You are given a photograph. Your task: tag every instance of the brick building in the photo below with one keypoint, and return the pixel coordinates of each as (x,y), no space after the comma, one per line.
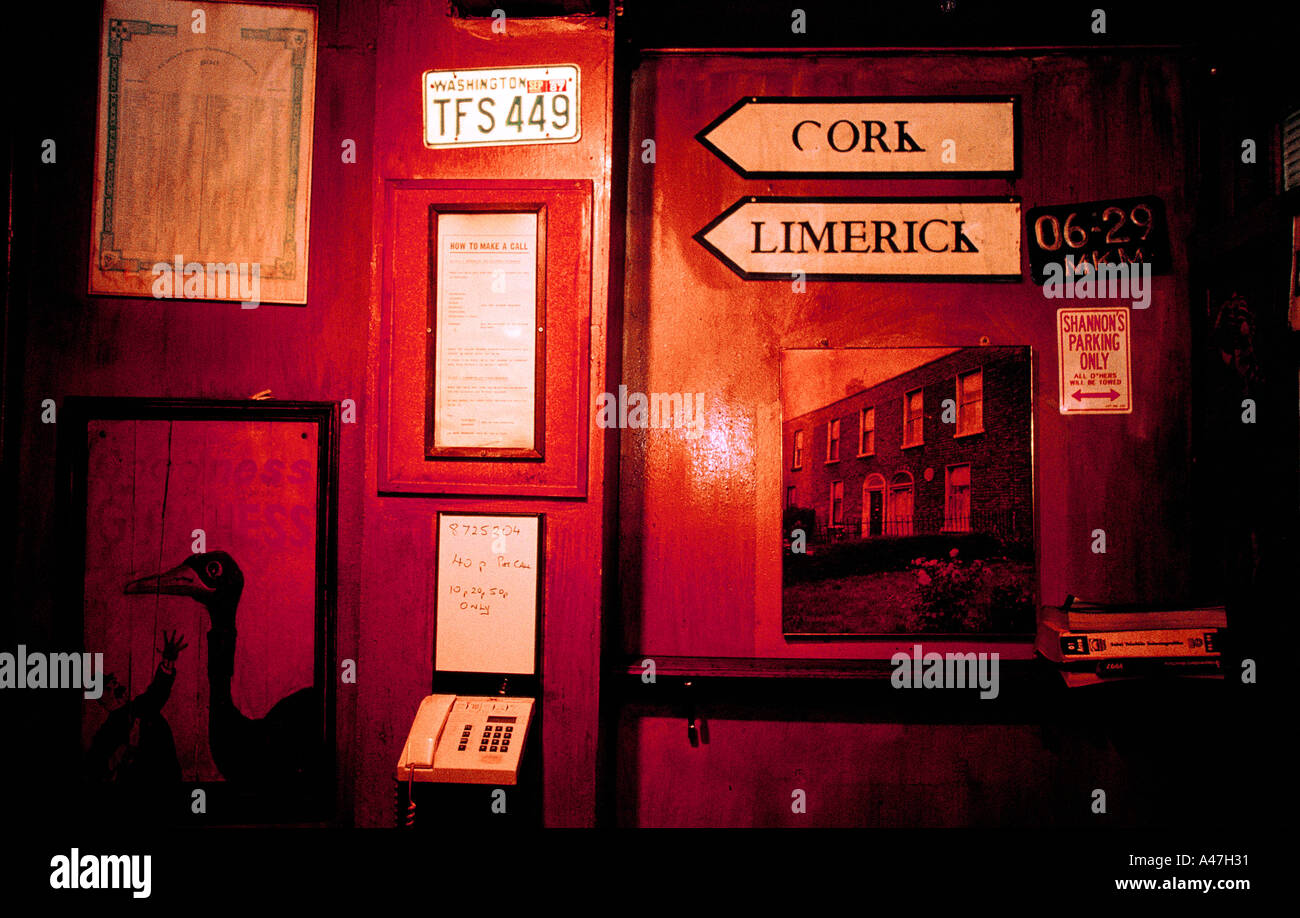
(887,462)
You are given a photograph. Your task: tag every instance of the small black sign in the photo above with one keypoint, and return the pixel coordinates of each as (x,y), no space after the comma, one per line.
(1119,231)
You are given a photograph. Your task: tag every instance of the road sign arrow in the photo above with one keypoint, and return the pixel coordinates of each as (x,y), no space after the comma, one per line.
(811,136)
(1080,395)
(774,238)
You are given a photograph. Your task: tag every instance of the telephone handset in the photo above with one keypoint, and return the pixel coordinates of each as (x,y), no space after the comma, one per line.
(466,739)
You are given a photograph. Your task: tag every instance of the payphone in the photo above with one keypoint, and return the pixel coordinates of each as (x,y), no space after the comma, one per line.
(487,638)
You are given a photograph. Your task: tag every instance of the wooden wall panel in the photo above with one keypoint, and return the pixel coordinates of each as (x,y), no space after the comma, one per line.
(699,520)
(114,346)
(397,593)
(859,775)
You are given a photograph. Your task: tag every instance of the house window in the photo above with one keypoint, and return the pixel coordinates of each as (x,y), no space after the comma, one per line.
(832,441)
(956,517)
(789,496)
(970,403)
(912,417)
(797,464)
(898,521)
(867,435)
(837,504)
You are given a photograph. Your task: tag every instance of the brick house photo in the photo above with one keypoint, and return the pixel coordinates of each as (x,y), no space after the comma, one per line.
(932,464)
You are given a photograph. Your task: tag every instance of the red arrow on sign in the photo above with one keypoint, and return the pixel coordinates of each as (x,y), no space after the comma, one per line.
(1080,395)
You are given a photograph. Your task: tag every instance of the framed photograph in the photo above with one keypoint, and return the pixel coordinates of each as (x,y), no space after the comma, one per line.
(907,490)
(203,151)
(487,350)
(203,535)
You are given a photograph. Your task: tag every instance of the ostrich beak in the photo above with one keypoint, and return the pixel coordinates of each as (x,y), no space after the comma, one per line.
(179,581)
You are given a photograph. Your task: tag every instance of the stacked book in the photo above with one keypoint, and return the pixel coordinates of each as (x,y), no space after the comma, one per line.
(1094,643)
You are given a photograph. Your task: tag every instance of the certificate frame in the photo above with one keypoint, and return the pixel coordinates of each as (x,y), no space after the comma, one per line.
(537,452)
(137,252)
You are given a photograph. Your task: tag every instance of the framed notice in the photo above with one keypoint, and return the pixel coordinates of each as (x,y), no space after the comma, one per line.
(487,341)
(485,337)
(203,151)
(487,617)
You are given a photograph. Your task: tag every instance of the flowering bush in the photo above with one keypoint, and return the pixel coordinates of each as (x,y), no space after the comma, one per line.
(946,589)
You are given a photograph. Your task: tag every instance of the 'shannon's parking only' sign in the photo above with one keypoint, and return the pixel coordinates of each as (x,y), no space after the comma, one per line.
(498,107)
(1093,353)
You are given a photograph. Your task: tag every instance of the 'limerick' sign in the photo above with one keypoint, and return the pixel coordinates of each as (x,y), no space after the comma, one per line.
(811,137)
(772,238)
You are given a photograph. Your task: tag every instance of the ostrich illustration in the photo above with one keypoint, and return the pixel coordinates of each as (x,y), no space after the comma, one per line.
(281,747)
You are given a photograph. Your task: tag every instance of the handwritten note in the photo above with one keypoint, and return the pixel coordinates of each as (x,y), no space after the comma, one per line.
(487,593)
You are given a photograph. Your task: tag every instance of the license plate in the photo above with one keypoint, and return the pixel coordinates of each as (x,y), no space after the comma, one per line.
(1119,231)
(501,106)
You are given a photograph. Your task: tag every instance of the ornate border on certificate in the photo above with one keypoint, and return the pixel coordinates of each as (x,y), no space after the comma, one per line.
(203,153)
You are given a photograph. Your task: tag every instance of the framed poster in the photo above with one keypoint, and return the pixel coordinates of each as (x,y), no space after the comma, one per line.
(485,337)
(204,536)
(487,348)
(203,151)
(907,488)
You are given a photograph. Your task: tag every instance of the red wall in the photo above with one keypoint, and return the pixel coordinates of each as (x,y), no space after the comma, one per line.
(74,344)
(370,60)
(698,569)
(699,521)
(395,662)
(1092,127)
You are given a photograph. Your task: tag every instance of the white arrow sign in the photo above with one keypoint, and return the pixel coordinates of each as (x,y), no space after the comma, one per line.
(808,137)
(766,238)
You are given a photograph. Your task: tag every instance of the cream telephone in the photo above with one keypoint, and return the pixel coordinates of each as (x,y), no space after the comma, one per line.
(466,739)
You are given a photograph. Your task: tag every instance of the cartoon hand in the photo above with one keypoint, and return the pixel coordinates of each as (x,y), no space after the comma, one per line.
(173,644)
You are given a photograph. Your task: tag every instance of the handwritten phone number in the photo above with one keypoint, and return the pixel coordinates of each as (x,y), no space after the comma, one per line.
(474,529)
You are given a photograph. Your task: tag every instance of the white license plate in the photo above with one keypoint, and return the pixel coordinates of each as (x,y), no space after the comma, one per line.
(501,106)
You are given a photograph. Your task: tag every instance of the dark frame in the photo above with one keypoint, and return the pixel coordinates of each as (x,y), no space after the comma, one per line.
(964,639)
(226,805)
(538,451)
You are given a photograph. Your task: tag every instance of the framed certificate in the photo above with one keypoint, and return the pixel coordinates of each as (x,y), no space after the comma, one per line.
(203,151)
(486,349)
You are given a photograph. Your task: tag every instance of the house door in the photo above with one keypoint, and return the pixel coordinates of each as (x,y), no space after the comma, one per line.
(875,513)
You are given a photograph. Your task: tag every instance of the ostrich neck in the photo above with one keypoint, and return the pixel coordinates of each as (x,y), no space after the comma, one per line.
(221,649)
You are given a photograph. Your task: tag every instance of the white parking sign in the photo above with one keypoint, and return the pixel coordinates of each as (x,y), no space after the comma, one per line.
(1092,351)
(501,106)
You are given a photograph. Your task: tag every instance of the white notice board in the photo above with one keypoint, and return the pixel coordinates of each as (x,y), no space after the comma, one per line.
(487,614)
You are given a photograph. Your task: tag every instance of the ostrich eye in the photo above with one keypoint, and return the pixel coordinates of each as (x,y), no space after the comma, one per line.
(213,569)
